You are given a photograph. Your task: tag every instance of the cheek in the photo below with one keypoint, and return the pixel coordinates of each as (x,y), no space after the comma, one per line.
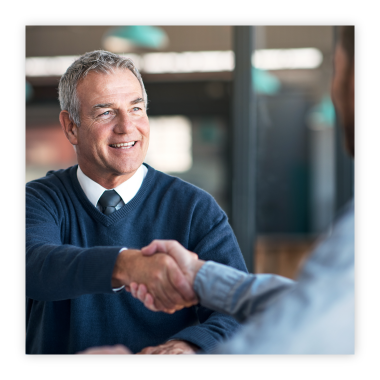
(145,128)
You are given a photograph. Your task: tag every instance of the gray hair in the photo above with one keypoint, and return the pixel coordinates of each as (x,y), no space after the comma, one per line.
(100,61)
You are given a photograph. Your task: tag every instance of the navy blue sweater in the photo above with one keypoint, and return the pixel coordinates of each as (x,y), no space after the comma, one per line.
(71,249)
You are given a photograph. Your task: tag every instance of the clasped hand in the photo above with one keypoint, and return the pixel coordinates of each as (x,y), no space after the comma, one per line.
(185,261)
(161,276)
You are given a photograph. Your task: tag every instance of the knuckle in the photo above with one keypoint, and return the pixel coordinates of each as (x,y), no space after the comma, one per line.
(179,282)
(157,276)
(167,260)
(156,273)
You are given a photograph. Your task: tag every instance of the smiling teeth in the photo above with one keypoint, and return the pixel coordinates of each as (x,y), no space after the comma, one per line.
(124,144)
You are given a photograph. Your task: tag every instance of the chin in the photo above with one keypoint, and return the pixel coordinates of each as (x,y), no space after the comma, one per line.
(128,170)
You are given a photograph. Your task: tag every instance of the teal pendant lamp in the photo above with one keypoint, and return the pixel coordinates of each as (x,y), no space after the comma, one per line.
(264,82)
(28,91)
(323,113)
(132,37)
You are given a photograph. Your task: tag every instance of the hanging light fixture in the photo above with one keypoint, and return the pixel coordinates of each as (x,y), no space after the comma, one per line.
(264,82)
(28,91)
(128,38)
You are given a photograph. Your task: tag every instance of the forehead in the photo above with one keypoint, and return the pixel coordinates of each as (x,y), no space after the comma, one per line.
(99,85)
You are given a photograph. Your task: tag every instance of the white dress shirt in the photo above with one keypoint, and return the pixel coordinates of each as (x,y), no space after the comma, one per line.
(127,190)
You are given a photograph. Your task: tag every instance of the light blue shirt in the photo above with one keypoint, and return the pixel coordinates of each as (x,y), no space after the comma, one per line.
(314,315)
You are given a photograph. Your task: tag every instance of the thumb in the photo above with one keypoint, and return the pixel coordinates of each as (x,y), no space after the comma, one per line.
(162,246)
(149,249)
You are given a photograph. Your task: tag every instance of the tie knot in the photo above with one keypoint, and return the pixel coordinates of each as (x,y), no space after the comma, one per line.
(109,200)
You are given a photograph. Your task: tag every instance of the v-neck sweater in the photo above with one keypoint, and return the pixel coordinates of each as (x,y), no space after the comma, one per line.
(71,250)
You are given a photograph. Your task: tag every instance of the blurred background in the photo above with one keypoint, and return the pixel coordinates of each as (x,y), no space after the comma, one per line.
(244,112)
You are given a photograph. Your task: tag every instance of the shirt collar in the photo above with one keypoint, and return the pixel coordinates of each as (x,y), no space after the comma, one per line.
(127,190)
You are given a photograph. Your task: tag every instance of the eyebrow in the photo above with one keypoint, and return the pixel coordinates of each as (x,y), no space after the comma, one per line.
(137,100)
(107,105)
(102,105)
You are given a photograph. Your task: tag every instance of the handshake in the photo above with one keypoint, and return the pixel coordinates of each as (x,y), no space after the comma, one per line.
(161,275)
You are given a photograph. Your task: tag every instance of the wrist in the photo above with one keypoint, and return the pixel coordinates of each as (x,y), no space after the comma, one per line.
(195,267)
(121,275)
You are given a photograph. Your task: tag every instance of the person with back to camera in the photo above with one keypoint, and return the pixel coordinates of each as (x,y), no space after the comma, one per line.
(314,315)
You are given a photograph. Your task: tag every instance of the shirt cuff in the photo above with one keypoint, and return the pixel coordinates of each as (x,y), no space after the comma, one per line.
(215,284)
(117,290)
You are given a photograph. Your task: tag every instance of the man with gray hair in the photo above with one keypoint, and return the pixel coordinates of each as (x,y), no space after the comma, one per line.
(85,225)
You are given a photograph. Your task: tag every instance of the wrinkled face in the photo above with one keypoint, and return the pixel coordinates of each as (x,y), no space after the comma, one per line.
(343,96)
(113,137)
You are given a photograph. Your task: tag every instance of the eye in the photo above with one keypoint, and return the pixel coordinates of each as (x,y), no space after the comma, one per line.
(105,114)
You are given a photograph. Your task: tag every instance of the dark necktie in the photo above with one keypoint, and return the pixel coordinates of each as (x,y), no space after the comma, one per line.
(108,201)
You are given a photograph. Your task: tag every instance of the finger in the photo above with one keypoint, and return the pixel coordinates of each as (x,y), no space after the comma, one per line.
(149,249)
(186,295)
(141,292)
(149,302)
(161,287)
(133,288)
(194,255)
(146,351)
(167,293)
(158,305)
(119,349)
(106,350)
(177,251)
(164,295)
(170,351)
(156,246)
(165,350)
(178,281)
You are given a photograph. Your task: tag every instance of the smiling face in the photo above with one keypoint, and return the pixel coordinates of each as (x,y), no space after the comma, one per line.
(113,138)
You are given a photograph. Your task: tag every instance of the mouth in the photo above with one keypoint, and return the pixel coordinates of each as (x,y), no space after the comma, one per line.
(127,145)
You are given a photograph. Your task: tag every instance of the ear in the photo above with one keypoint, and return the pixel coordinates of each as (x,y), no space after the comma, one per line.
(69,128)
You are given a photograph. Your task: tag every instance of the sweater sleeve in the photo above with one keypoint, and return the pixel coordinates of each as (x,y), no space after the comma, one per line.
(212,238)
(56,271)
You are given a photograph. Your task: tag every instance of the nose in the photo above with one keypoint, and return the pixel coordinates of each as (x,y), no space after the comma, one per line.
(124,124)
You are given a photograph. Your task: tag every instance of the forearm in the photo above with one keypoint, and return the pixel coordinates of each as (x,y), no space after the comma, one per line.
(214,327)
(57,272)
(236,293)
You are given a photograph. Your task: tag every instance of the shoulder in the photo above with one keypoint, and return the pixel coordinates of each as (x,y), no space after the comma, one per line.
(334,256)
(52,185)
(179,190)
(345,222)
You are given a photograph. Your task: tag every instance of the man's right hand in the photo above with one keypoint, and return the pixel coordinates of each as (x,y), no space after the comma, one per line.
(160,274)
(187,261)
